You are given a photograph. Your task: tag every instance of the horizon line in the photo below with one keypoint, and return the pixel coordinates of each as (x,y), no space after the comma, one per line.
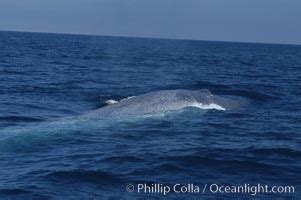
(146,37)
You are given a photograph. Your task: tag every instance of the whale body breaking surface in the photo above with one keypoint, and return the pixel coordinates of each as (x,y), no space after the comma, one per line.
(149,104)
(164,101)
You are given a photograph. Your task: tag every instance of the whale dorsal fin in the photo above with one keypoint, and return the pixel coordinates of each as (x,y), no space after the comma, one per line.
(206,91)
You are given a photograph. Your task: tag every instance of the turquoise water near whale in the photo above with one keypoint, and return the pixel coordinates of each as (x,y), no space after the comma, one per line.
(49,151)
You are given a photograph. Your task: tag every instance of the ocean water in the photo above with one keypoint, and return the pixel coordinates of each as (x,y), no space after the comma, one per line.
(49,151)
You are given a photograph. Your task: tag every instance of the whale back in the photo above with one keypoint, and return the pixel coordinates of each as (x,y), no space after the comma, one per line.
(163,101)
(205,91)
(152,102)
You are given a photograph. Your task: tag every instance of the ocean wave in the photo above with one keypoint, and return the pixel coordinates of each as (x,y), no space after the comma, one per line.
(98,177)
(223,164)
(121,159)
(286,152)
(19,193)
(14,191)
(168,167)
(229,89)
(252,95)
(212,86)
(19,119)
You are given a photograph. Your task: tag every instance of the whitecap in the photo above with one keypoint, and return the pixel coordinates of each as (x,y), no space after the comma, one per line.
(208,106)
(111,101)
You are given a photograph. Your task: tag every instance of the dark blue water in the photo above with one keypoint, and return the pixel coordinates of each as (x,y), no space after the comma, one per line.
(45,78)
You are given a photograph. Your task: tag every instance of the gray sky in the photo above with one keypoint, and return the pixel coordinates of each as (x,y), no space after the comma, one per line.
(269,21)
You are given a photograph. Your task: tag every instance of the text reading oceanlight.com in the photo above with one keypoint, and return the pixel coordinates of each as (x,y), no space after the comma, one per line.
(158,188)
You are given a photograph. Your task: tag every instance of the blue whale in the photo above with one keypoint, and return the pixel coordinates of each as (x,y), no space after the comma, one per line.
(149,104)
(165,101)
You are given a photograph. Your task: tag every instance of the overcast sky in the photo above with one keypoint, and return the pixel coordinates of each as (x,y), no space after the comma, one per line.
(269,21)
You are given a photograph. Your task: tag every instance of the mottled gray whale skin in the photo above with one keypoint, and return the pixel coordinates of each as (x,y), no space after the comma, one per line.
(164,101)
(150,104)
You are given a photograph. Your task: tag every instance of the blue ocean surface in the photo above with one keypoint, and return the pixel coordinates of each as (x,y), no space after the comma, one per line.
(48,150)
